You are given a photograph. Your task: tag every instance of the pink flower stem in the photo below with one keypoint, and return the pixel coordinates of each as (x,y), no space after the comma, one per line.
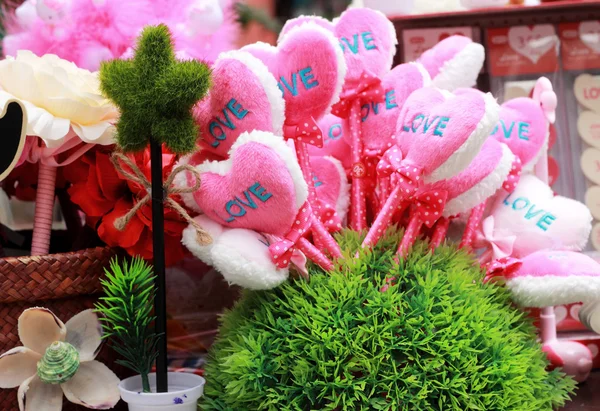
(472,226)
(320,233)
(439,232)
(314,254)
(358,212)
(383,219)
(44,210)
(410,235)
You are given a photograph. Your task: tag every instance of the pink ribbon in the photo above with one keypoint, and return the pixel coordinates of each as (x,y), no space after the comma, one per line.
(430,205)
(514,176)
(307,132)
(282,251)
(407,176)
(328,215)
(501,247)
(367,88)
(503,268)
(37,152)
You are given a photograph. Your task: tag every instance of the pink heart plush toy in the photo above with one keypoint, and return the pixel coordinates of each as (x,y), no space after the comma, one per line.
(524,123)
(532,218)
(439,134)
(486,174)
(333,191)
(334,130)
(244,96)
(260,188)
(454,62)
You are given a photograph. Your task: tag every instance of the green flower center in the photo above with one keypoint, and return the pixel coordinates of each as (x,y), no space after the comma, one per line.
(59,364)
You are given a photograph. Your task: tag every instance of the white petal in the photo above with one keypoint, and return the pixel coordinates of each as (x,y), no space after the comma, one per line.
(93,386)
(34,395)
(39,327)
(84,332)
(101,133)
(17,365)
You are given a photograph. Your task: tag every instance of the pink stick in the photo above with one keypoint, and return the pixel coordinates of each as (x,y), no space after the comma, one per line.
(382,221)
(384,190)
(319,231)
(411,233)
(358,212)
(439,232)
(472,226)
(314,254)
(44,208)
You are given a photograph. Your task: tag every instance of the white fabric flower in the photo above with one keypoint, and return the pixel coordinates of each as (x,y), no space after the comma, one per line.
(62,100)
(93,385)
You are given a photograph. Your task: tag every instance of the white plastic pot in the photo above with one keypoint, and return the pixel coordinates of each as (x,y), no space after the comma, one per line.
(184,391)
(391,7)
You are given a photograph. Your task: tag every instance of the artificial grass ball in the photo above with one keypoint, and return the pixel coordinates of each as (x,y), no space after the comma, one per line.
(436,339)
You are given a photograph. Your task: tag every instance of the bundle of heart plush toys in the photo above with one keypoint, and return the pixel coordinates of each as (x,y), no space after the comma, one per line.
(302,138)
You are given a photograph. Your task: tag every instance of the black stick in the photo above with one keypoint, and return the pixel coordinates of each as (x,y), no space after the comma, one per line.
(158,242)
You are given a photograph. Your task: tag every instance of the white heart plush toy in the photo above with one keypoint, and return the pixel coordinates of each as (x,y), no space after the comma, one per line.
(533,219)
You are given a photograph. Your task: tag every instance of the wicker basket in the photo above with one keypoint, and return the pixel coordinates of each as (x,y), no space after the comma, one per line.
(64,283)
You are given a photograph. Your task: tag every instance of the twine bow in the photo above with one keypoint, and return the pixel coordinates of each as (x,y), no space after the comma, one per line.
(307,132)
(136,175)
(366,89)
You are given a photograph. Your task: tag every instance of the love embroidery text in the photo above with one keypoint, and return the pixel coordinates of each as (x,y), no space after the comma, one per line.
(353,45)
(390,103)
(238,207)
(215,127)
(521,128)
(316,180)
(543,219)
(335,132)
(424,122)
(307,78)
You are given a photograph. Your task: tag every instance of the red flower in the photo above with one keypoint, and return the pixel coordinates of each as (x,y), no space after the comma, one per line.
(105,195)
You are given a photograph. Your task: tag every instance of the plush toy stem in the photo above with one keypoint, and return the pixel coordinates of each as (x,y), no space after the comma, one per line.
(314,254)
(472,225)
(358,212)
(410,234)
(439,232)
(384,190)
(320,233)
(384,217)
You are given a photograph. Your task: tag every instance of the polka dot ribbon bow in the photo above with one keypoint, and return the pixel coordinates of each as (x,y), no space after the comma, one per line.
(329,217)
(408,176)
(514,176)
(282,251)
(366,89)
(430,205)
(307,132)
(504,268)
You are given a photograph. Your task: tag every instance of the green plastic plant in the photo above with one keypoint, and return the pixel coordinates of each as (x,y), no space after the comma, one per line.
(437,339)
(126,315)
(155,94)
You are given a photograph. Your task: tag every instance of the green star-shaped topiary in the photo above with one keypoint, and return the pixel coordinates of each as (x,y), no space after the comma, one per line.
(155,94)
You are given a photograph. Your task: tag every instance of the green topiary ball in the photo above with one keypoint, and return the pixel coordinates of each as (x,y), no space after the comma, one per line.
(437,339)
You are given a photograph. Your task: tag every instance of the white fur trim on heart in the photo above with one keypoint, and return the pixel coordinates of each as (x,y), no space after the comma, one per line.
(285,30)
(549,290)
(453,74)
(424,73)
(268,82)
(343,201)
(484,189)
(461,158)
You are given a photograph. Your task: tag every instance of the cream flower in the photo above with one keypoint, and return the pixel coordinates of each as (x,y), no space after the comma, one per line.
(59,97)
(56,358)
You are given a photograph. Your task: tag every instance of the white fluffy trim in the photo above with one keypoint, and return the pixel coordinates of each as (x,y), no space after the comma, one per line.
(485,189)
(461,158)
(462,70)
(549,290)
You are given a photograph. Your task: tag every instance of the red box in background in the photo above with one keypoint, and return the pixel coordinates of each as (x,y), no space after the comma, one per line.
(522,50)
(580,45)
